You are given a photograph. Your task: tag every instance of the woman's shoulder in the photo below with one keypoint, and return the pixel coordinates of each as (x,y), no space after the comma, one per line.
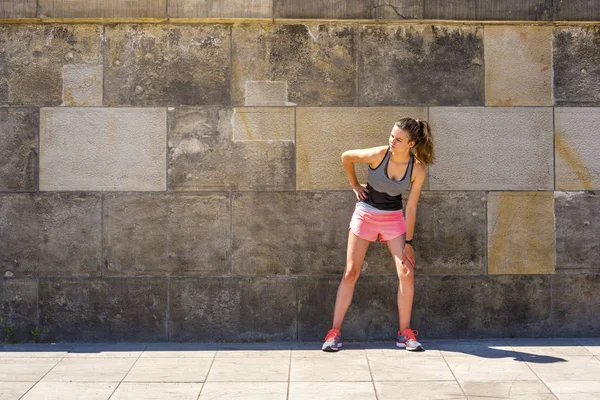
(418,167)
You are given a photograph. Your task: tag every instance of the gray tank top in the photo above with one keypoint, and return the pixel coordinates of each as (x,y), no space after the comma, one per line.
(385,193)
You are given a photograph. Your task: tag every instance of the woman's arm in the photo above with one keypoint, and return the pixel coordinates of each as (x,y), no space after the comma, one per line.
(372,156)
(410,211)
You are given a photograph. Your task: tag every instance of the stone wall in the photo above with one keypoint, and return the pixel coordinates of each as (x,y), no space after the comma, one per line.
(180,179)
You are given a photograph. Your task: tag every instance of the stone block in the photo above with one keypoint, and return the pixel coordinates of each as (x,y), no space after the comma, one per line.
(373,314)
(492,148)
(18,309)
(18,149)
(354,9)
(266,93)
(414,65)
(103,9)
(290,232)
(82,85)
(262,123)
(488,306)
(50,234)
(220,9)
(518,65)
(576,65)
(203,153)
(507,10)
(575,304)
(85,148)
(576,10)
(450,233)
(167,65)
(324,133)
(233,309)
(575,148)
(577,232)
(37,53)
(90,310)
(316,60)
(166,234)
(18,9)
(520,233)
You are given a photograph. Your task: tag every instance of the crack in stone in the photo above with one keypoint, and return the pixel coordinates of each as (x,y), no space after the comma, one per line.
(386,5)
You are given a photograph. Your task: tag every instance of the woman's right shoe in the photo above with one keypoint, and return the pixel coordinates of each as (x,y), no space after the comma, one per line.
(333,340)
(407,339)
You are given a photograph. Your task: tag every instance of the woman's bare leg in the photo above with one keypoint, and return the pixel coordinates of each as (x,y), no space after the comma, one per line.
(406,284)
(357,248)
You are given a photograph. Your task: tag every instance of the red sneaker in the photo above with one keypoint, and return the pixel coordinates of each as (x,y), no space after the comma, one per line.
(333,340)
(407,339)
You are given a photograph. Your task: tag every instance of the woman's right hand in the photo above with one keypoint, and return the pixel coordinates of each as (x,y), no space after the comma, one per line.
(360,191)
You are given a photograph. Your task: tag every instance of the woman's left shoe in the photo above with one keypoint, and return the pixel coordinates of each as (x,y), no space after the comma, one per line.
(407,339)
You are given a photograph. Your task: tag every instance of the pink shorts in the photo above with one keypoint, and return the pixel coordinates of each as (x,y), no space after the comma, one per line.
(369,225)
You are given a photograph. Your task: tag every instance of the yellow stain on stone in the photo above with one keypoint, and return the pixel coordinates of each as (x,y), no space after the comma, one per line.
(570,156)
(521,236)
(244,120)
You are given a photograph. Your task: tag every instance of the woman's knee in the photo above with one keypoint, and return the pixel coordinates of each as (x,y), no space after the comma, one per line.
(351,273)
(405,272)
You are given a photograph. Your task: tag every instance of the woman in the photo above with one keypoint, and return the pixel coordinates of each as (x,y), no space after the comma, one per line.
(393,169)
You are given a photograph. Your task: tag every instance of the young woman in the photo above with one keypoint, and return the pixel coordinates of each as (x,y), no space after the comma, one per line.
(393,169)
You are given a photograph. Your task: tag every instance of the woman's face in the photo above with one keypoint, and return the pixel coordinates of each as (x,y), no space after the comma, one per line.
(399,140)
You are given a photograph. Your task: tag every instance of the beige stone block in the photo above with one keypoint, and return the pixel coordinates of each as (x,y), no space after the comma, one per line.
(221,9)
(518,65)
(102,8)
(324,133)
(492,148)
(576,148)
(521,233)
(266,93)
(18,8)
(103,148)
(82,85)
(263,124)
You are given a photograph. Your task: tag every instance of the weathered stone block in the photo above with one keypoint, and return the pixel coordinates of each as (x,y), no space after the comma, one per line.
(323,134)
(576,10)
(290,232)
(518,65)
(18,149)
(577,232)
(18,9)
(354,9)
(373,314)
(82,85)
(266,93)
(50,234)
(162,65)
(203,153)
(479,306)
(520,233)
(130,309)
(102,148)
(102,9)
(317,60)
(18,308)
(492,148)
(575,304)
(421,65)
(576,64)
(221,9)
(489,10)
(450,234)
(233,309)
(31,66)
(576,150)
(166,233)
(254,123)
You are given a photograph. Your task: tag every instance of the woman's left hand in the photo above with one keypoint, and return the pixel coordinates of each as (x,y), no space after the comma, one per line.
(408,256)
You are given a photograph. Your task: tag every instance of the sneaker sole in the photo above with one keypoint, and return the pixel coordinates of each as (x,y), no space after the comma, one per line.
(332,348)
(403,346)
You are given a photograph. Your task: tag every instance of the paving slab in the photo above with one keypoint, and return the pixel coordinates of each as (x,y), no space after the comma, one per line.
(169,370)
(157,391)
(244,390)
(70,391)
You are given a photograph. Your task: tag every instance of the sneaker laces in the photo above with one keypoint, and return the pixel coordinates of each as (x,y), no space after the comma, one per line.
(332,334)
(410,334)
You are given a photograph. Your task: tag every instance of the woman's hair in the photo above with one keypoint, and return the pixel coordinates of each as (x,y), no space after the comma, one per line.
(419,132)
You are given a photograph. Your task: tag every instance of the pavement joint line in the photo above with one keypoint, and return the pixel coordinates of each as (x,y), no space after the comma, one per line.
(287,394)
(38,381)
(452,372)
(371,374)
(128,371)
(207,373)
(536,375)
